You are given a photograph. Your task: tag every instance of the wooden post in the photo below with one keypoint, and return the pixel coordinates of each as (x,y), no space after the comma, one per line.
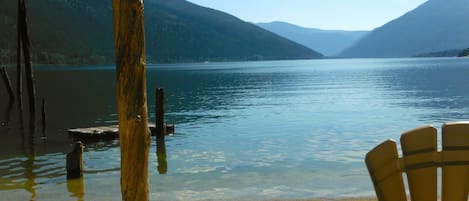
(160,131)
(27,60)
(75,161)
(135,141)
(44,119)
(19,72)
(159,116)
(6,80)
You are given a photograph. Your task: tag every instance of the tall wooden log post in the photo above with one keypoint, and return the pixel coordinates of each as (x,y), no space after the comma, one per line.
(129,42)
(27,60)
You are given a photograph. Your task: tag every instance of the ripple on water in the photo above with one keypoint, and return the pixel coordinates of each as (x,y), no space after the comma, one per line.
(246,130)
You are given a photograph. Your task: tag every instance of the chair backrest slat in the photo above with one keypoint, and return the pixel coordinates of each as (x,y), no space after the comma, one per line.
(419,148)
(384,167)
(420,161)
(455,178)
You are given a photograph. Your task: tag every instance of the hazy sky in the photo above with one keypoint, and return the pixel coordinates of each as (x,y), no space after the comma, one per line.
(324,14)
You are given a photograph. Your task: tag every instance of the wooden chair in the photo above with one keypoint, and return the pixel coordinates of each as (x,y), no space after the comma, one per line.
(420,160)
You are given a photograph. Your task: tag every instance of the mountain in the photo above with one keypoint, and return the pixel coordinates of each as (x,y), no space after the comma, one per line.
(328,42)
(436,25)
(80,31)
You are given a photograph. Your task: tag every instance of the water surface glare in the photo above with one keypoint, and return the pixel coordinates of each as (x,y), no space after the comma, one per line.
(244,130)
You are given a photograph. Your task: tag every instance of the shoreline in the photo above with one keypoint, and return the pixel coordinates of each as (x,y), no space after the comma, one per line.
(330,199)
(313,199)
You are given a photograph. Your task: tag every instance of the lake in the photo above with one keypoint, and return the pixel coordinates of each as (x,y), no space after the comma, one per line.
(244,130)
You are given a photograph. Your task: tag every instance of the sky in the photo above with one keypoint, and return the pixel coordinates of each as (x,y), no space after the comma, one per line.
(322,14)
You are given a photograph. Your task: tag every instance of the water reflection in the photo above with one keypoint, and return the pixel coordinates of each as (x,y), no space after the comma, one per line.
(76,188)
(27,183)
(430,85)
(245,130)
(30,184)
(161,155)
(23,170)
(72,104)
(28,146)
(200,92)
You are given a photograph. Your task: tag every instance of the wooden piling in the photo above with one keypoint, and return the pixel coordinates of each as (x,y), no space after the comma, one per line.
(159,111)
(44,120)
(159,116)
(6,80)
(129,43)
(19,72)
(75,161)
(160,131)
(27,60)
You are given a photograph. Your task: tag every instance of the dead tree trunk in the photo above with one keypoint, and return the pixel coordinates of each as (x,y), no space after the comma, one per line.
(27,60)
(129,42)
(19,72)
(6,80)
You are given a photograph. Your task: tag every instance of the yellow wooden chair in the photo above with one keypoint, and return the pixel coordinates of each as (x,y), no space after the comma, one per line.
(420,160)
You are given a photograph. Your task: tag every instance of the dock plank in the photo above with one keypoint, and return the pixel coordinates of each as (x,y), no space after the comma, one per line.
(103,133)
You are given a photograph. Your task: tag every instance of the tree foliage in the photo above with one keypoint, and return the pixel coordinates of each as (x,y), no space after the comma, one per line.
(80,32)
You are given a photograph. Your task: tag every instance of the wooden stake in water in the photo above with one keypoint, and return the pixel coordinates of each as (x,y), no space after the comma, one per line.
(44,120)
(6,80)
(75,161)
(159,117)
(129,43)
(160,131)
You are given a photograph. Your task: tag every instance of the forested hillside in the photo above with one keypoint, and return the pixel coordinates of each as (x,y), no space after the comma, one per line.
(81,32)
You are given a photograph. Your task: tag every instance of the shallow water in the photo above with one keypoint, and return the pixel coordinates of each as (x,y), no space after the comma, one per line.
(244,130)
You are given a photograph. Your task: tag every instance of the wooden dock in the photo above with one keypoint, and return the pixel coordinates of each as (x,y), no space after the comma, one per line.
(104,133)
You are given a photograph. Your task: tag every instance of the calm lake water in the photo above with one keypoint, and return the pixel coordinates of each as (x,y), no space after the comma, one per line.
(244,130)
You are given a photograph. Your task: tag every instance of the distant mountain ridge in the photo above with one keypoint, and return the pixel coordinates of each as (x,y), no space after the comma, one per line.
(436,25)
(328,42)
(446,53)
(80,31)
